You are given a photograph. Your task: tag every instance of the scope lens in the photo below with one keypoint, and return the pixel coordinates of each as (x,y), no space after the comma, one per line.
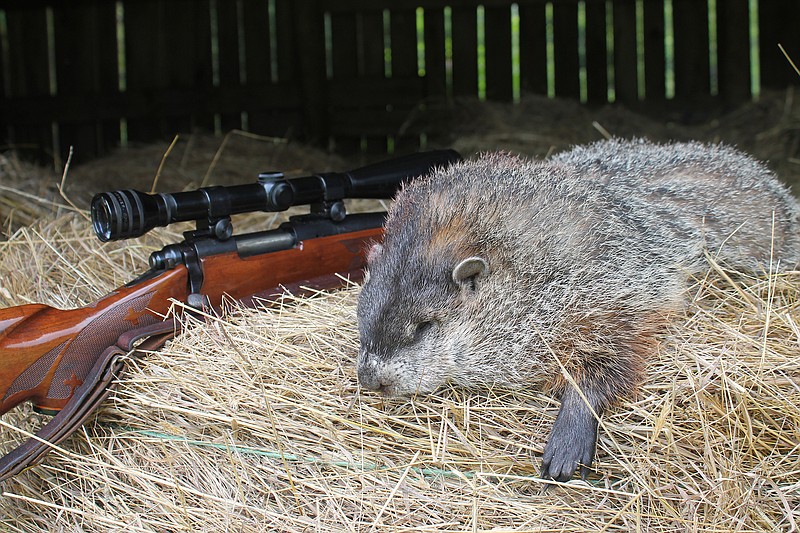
(127,214)
(101,220)
(104,216)
(118,215)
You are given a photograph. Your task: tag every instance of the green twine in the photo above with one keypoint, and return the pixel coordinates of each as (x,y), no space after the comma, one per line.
(248,450)
(358,467)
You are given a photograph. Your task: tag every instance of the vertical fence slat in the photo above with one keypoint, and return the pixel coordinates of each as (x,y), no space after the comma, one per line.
(29,76)
(371,59)
(229,74)
(565,27)
(4,125)
(404,66)
(257,45)
(533,48)
(692,76)
(654,58)
(596,57)
(299,42)
(145,71)
(465,51)
(189,66)
(372,64)
(309,75)
(228,39)
(257,60)
(498,53)
(625,58)
(289,30)
(404,43)
(779,23)
(171,82)
(86,66)
(29,64)
(435,60)
(344,44)
(733,51)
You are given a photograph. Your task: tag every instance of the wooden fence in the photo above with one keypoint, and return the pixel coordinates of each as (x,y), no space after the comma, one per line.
(94,74)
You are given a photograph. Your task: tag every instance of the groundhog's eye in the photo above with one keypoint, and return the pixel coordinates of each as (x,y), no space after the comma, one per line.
(423,328)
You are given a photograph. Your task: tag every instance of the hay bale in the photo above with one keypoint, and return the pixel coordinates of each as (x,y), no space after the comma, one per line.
(254,421)
(27,193)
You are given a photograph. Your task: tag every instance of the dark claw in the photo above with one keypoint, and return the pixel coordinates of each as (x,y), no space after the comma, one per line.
(561,458)
(572,441)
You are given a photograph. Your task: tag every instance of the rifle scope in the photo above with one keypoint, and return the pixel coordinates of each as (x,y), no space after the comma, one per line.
(128,213)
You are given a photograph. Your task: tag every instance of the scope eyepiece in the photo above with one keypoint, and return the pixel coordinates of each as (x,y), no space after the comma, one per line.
(127,213)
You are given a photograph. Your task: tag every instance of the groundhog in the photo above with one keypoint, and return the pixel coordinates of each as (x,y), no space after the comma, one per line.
(559,273)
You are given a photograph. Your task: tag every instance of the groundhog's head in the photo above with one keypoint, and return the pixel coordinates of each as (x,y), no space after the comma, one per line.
(430,312)
(411,323)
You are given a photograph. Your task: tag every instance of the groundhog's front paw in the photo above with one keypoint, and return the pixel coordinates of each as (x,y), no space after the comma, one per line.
(572,442)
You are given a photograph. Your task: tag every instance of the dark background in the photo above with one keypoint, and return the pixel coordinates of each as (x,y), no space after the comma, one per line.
(360,75)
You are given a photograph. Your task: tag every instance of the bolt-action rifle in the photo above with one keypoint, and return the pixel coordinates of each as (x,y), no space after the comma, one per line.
(67,361)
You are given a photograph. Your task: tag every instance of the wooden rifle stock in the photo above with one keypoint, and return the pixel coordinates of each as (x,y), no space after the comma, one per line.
(47,352)
(64,360)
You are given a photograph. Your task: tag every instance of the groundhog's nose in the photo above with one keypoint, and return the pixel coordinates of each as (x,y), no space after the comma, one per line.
(368,380)
(367,374)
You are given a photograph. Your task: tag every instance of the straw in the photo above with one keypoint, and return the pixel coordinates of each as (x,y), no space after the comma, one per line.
(254,421)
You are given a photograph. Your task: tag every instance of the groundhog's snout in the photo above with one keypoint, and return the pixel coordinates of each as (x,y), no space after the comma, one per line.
(367,373)
(392,375)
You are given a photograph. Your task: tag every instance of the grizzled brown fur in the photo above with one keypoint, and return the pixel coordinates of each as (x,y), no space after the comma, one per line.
(515,272)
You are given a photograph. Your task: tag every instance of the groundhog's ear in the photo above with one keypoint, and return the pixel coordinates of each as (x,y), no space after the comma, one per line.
(374,251)
(470,269)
